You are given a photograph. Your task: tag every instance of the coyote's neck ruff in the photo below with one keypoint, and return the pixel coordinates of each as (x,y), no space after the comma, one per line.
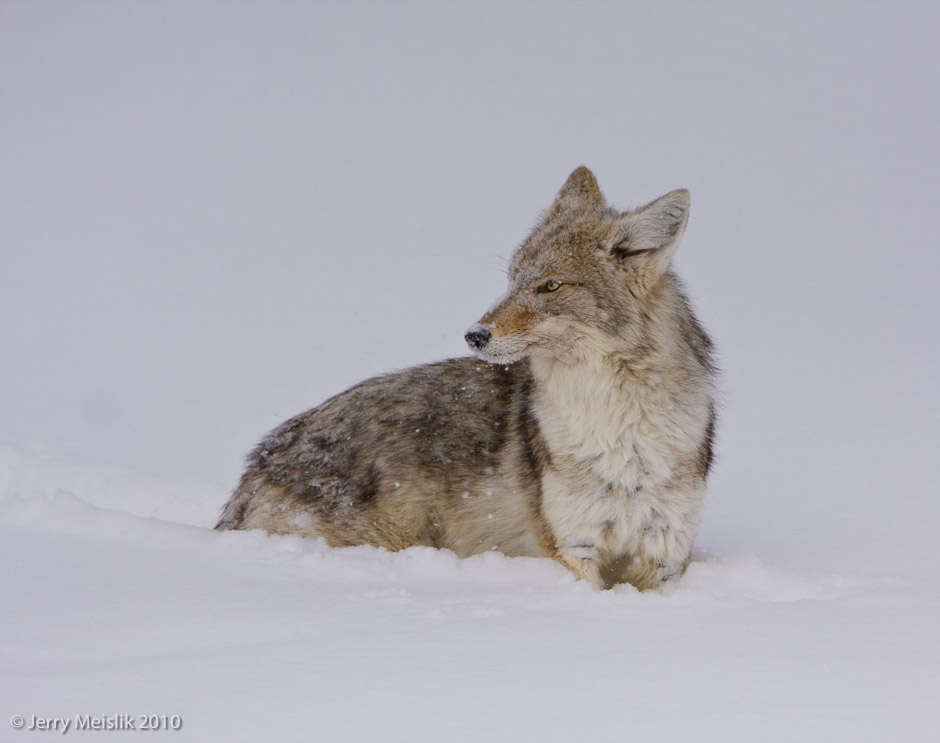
(621,429)
(584,434)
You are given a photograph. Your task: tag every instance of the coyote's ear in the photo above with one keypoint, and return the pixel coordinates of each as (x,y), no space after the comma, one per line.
(580,191)
(646,239)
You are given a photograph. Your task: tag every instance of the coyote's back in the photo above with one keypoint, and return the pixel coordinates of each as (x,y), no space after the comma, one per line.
(583,432)
(423,456)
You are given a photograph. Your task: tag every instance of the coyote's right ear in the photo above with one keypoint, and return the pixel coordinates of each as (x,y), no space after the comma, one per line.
(580,191)
(647,238)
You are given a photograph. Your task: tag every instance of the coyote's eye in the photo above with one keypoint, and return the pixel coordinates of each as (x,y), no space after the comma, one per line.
(549,286)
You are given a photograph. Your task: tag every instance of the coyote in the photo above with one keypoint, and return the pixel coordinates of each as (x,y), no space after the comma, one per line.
(581,431)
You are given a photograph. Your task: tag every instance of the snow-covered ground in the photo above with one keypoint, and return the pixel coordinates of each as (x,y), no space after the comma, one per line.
(215,215)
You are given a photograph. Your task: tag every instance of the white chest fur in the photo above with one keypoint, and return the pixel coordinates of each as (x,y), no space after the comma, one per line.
(628,431)
(618,442)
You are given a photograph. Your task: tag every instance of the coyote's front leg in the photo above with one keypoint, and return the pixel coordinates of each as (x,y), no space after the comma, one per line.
(644,540)
(582,561)
(569,535)
(662,548)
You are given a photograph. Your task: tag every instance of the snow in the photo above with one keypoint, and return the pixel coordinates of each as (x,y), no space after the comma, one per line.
(214,216)
(249,637)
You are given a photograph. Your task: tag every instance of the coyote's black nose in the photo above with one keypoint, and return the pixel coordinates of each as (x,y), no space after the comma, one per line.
(476,339)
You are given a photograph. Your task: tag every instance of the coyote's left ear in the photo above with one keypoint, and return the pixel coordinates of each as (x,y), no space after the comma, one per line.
(646,239)
(580,191)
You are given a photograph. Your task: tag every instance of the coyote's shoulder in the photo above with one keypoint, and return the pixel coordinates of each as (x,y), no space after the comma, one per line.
(582,432)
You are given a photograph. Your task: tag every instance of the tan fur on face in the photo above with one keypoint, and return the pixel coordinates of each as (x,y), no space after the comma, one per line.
(509,318)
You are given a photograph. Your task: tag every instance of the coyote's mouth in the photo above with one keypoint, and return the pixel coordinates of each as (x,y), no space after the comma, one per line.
(495,356)
(501,358)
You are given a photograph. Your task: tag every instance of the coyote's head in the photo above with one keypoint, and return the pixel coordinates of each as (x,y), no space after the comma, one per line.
(588,280)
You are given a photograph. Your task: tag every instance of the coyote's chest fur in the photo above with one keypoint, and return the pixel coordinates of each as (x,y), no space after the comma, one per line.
(619,444)
(597,418)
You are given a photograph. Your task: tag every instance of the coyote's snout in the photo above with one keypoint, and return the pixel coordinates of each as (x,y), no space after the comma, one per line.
(584,432)
(477,337)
